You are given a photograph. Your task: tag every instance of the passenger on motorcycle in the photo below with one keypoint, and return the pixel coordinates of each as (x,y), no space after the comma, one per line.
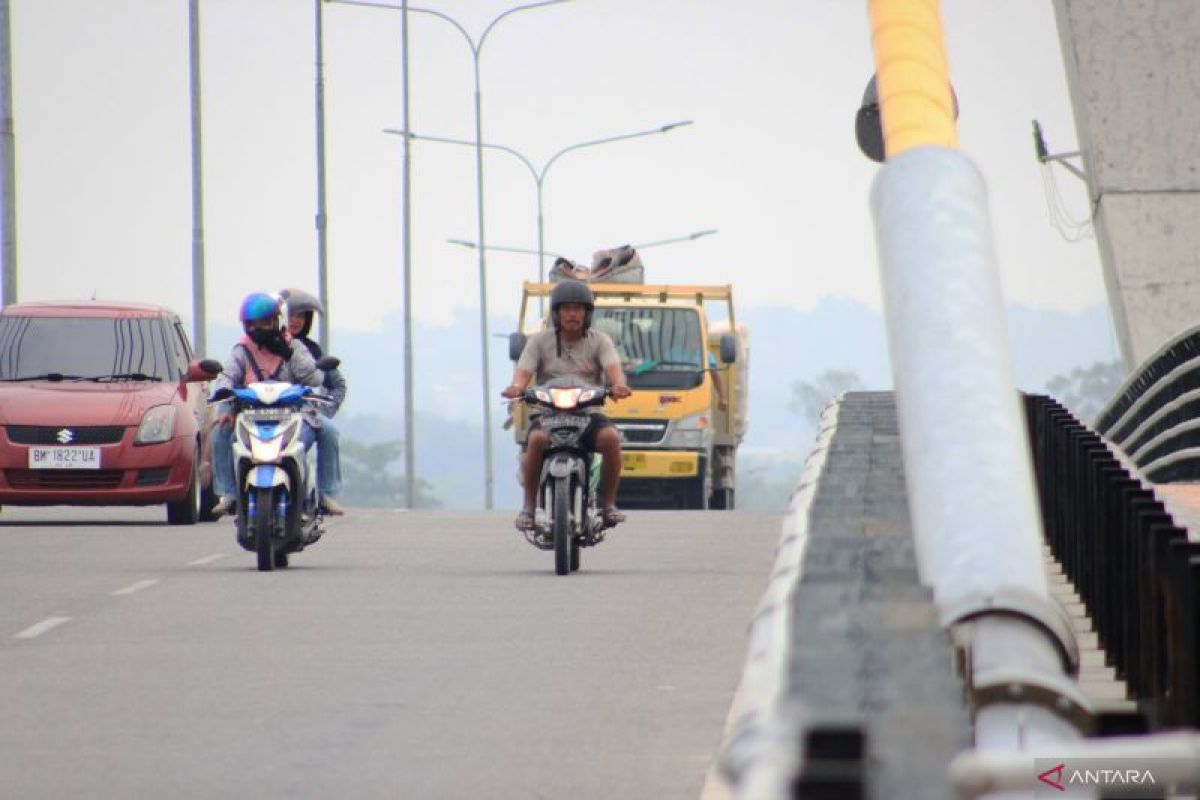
(266,352)
(301,306)
(571,349)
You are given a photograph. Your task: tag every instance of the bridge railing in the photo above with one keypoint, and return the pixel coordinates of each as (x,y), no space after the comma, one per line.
(1155,416)
(1132,565)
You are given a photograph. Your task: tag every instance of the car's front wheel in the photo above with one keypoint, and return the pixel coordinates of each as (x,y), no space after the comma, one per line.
(187,510)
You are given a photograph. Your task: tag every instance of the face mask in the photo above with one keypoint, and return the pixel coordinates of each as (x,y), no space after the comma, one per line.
(260,336)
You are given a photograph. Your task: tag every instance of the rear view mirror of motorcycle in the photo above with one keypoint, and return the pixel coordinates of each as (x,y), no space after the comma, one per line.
(326,363)
(221,395)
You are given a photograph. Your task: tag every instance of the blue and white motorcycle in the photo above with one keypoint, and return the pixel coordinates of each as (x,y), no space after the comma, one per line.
(278,506)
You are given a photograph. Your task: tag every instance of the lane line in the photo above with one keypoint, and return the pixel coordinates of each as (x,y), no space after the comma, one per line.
(34,631)
(136,587)
(200,562)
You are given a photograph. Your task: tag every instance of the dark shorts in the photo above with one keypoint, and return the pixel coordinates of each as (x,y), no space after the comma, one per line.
(598,423)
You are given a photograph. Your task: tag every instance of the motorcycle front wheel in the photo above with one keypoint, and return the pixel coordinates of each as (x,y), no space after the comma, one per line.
(562,526)
(263,527)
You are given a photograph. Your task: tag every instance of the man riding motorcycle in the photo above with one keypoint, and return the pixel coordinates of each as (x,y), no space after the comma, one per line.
(301,307)
(266,352)
(571,349)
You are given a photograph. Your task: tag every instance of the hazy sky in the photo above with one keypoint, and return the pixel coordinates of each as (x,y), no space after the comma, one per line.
(103,172)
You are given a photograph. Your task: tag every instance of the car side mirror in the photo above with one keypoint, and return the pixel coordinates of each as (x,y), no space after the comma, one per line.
(516,345)
(326,363)
(729,348)
(204,370)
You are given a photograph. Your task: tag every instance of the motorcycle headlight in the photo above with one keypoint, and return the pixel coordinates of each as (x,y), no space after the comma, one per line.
(542,395)
(565,398)
(158,425)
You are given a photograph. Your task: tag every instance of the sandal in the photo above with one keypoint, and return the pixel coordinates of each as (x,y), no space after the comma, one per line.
(524,521)
(612,516)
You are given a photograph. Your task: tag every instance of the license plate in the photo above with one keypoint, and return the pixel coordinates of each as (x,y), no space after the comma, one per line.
(564,421)
(64,458)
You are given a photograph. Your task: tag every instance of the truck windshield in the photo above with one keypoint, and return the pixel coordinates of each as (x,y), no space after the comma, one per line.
(660,348)
(96,348)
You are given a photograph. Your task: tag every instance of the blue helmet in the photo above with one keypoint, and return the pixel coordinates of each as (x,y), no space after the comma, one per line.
(260,306)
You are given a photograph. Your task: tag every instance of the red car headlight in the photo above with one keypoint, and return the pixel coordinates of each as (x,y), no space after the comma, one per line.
(158,425)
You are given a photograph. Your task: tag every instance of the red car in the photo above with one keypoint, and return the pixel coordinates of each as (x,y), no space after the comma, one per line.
(102,404)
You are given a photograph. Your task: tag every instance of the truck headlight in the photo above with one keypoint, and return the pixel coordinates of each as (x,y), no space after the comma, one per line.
(690,432)
(158,425)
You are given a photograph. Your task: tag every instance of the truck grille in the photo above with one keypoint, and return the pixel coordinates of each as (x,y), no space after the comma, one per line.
(49,435)
(641,431)
(64,478)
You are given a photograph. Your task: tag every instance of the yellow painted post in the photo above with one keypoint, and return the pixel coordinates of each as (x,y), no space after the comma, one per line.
(912,75)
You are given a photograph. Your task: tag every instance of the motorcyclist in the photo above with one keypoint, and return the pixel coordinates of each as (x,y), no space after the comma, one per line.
(571,349)
(265,352)
(301,307)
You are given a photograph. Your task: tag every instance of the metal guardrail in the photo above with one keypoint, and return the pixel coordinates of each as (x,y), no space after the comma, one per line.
(1132,565)
(1155,416)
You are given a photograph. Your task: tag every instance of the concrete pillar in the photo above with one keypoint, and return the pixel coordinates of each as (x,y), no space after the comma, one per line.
(1133,68)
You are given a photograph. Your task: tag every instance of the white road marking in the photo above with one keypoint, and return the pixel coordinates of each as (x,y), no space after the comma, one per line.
(34,631)
(136,587)
(200,562)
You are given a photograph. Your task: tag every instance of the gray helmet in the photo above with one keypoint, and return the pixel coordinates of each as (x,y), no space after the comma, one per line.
(301,302)
(571,291)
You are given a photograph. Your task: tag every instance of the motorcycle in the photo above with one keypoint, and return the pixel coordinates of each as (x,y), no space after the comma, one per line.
(278,508)
(568,515)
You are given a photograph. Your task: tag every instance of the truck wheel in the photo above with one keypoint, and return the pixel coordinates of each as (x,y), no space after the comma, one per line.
(722,500)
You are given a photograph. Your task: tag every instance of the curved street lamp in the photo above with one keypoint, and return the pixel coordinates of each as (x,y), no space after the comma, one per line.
(476,46)
(637,245)
(539,175)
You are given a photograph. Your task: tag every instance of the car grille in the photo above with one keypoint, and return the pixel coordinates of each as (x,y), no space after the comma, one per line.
(48,435)
(641,431)
(64,478)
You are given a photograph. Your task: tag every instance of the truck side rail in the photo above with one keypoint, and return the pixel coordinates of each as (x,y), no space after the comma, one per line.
(639,291)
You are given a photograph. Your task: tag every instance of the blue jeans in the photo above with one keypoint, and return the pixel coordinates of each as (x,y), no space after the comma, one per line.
(329,459)
(222,454)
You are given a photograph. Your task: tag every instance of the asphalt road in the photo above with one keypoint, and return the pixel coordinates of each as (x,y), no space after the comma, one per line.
(423,655)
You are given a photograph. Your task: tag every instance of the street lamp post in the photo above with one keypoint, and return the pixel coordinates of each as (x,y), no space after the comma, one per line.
(476,46)
(199,312)
(8,162)
(539,175)
(322,220)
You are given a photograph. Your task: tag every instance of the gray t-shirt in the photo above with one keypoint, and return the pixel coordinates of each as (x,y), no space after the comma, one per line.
(586,358)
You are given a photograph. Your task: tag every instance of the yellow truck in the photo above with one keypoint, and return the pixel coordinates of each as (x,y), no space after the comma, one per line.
(678,447)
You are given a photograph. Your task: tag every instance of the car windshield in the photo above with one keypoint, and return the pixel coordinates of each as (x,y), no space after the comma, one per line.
(91,348)
(660,348)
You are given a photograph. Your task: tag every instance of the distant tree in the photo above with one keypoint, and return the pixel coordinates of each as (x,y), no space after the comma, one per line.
(1086,390)
(369,479)
(810,398)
